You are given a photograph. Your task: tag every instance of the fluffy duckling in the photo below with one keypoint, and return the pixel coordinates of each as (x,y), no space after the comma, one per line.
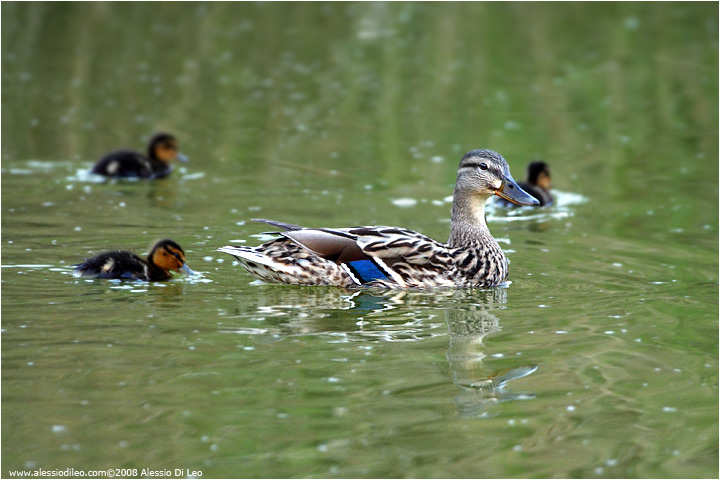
(537,182)
(165,255)
(162,151)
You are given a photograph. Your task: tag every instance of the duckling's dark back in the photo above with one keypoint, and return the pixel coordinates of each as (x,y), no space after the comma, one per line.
(125,164)
(119,264)
(130,164)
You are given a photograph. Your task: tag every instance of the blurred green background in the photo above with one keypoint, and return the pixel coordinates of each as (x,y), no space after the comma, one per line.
(339,114)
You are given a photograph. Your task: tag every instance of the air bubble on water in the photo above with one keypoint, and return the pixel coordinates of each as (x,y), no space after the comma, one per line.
(631,23)
(405,202)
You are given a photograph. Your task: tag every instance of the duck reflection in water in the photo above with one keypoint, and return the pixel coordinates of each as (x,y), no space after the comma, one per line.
(468,324)
(401,316)
(479,388)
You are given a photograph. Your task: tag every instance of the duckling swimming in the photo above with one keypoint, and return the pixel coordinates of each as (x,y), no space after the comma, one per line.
(162,151)
(537,182)
(392,257)
(164,256)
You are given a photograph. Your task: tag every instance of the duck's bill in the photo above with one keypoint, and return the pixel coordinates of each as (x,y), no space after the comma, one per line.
(182,157)
(187,270)
(510,191)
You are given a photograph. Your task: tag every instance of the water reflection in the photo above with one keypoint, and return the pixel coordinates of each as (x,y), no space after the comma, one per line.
(404,316)
(468,326)
(469,318)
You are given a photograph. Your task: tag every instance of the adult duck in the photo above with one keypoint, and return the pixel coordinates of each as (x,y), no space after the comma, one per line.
(165,255)
(162,151)
(393,257)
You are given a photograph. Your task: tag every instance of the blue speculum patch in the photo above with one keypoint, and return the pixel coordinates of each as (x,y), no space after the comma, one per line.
(366,271)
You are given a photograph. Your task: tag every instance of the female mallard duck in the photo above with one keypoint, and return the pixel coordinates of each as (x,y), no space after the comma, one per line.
(164,256)
(162,151)
(392,257)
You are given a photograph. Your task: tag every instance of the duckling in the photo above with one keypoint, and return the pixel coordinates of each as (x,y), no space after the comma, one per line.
(162,151)
(537,182)
(164,256)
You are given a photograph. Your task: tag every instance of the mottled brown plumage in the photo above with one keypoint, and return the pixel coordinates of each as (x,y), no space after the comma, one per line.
(393,257)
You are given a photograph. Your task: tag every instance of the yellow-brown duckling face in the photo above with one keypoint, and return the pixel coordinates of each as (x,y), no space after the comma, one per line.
(166,151)
(538,173)
(164,147)
(543,180)
(169,255)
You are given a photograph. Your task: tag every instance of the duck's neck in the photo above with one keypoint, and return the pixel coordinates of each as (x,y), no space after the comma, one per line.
(158,167)
(468,226)
(155,272)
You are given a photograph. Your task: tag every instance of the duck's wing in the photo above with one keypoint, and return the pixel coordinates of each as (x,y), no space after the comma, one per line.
(409,258)
(383,255)
(284,260)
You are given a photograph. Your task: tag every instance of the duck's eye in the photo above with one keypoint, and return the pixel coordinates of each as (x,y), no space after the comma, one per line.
(483,166)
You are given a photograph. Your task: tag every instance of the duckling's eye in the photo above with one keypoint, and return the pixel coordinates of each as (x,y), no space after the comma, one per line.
(483,166)
(176,255)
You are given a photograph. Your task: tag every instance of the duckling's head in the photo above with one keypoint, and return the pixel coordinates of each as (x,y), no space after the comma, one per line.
(164,147)
(538,173)
(484,173)
(169,255)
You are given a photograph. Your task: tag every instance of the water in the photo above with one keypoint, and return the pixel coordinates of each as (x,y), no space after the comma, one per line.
(599,359)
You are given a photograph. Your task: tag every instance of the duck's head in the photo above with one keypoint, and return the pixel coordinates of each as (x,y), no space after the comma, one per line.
(164,147)
(538,173)
(169,255)
(485,173)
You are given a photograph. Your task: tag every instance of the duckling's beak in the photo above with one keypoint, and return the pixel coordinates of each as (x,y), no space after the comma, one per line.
(510,191)
(187,270)
(182,157)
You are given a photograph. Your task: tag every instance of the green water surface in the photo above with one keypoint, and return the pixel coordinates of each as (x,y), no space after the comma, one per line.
(598,360)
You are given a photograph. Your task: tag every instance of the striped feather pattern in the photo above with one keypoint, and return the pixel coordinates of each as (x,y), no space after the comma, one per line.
(407,258)
(393,257)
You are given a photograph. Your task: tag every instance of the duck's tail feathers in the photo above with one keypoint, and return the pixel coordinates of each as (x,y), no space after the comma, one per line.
(284,226)
(248,254)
